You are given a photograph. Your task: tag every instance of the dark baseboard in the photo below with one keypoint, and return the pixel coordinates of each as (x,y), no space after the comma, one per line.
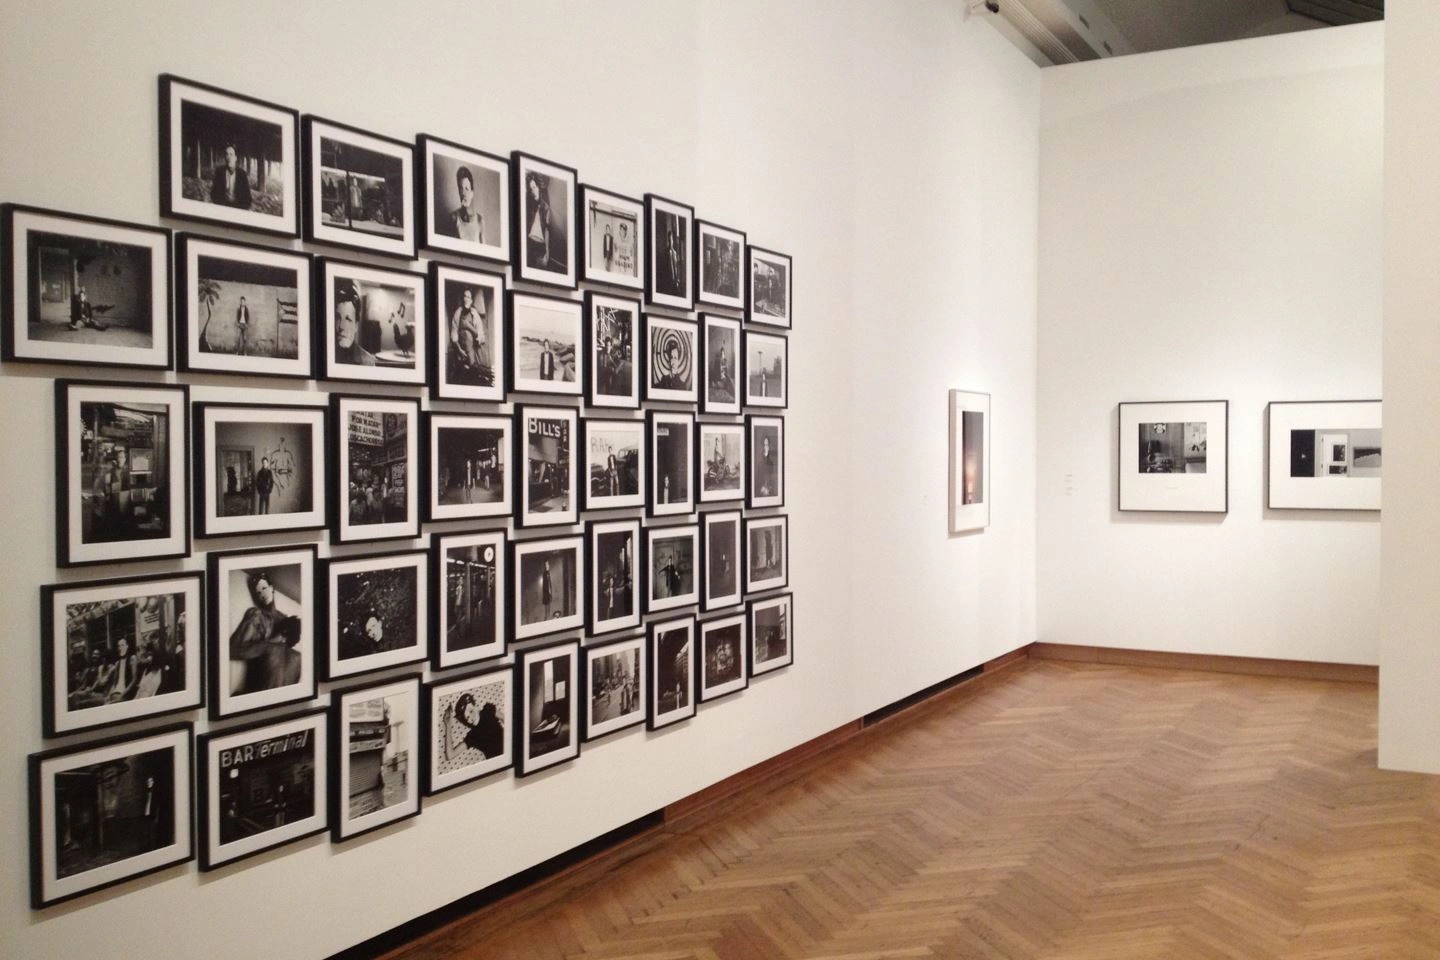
(905,703)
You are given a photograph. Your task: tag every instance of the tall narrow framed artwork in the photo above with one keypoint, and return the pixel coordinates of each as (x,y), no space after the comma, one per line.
(1174,456)
(375,468)
(468,462)
(669,227)
(468,354)
(720,364)
(468,598)
(372,323)
(768,288)
(672,457)
(672,359)
(765,454)
(547,579)
(767,552)
(969,461)
(615,463)
(613,551)
(466,723)
(670,669)
(544,344)
(613,680)
(374,768)
(612,364)
(359,189)
(545,460)
(1324,455)
(464,202)
(258,468)
(548,708)
(720,548)
(612,238)
(542,242)
(766,370)
(724,656)
(719,265)
(772,633)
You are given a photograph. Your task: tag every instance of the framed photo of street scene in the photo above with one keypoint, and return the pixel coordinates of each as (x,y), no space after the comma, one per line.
(1174,456)
(719,265)
(358,189)
(547,580)
(672,567)
(1324,455)
(258,468)
(772,634)
(544,335)
(765,455)
(612,238)
(720,466)
(670,672)
(548,707)
(720,546)
(467,728)
(723,657)
(543,242)
(464,200)
(767,288)
(376,612)
(766,370)
(613,679)
(468,356)
(372,323)
(720,364)
(375,474)
(969,461)
(613,548)
(545,459)
(374,771)
(672,360)
(614,463)
(672,458)
(468,462)
(767,550)
(669,227)
(612,329)
(468,598)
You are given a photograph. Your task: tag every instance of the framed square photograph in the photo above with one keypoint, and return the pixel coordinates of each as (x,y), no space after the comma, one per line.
(258,468)
(670,669)
(243,309)
(543,202)
(468,458)
(767,288)
(723,657)
(373,779)
(466,728)
(123,467)
(672,360)
(102,813)
(468,356)
(720,364)
(766,370)
(765,455)
(612,238)
(1174,456)
(359,189)
(767,548)
(672,567)
(83,290)
(772,634)
(468,598)
(720,546)
(612,546)
(672,462)
(120,650)
(720,466)
(548,583)
(544,335)
(668,230)
(372,323)
(227,158)
(969,461)
(375,469)
(548,705)
(614,684)
(464,200)
(1324,455)
(612,329)
(545,458)
(376,612)
(719,265)
(614,463)
(262,786)
(262,629)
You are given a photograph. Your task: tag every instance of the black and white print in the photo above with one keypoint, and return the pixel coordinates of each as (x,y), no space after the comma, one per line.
(469,346)
(766,370)
(262,628)
(258,469)
(614,463)
(719,265)
(772,637)
(376,460)
(721,461)
(465,200)
(373,323)
(546,455)
(548,580)
(723,657)
(669,227)
(612,238)
(766,553)
(377,612)
(671,668)
(1325,455)
(470,599)
(614,550)
(373,774)
(544,337)
(358,189)
(672,359)
(469,464)
(969,461)
(612,326)
(549,706)
(720,369)
(672,457)
(543,241)
(768,291)
(672,567)
(766,457)
(720,545)
(467,728)
(614,681)
(1173,456)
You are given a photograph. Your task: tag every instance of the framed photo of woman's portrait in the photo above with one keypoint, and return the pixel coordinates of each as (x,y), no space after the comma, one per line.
(767,288)
(466,723)
(375,775)
(613,550)
(548,706)
(544,336)
(765,454)
(467,457)
(669,227)
(719,265)
(670,687)
(547,580)
(719,364)
(612,363)
(258,468)
(612,238)
(672,359)
(543,199)
(375,473)
(468,355)
(359,189)
(376,612)
(468,598)
(464,200)
(372,323)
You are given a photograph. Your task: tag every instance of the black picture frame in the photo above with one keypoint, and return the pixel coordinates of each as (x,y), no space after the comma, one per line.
(399,516)
(558,324)
(228,432)
(670,558)
(469,347)
(764,570)
(546,490)
(567,551)
(720,348)
(364,173)
(606,566)
(607,368)
(668,278)
(394,351)
(672,361)
(723,559)
(463,565)
(767,384)
(720,469)
(771,618)
(720,263)
(618,668)
(542,195)
(622,485)
(769,287)
(356,723)
(444,708)
(670,666)
(443,164)
(765,483)
(558,701)
(722,640)
(375,609)
(605,262)
(468,454)
(670,451)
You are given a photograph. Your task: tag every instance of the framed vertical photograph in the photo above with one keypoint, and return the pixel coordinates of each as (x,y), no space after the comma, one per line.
(466,728)
(614,463)
(468,459)
(614,685)
(542,235)
(373,779)
(468,598)
(545,464)
(766,370)
(719,265)
(720,546)
(767,288)
(262,616)
(720,465)
(672,567)
(772,633)
(723,657)
(672,461)
(612,548)
(612,238)
(120,650)
(1174,456)
(227,158)
(258,468)
(375,468)
(372,323)
(672,359)
(767,548)
(1324,455)
(83,290)
(464,204)
(243,309)
(969,461)
(720,364)
(359,189)
(106,812)
(468,355)
(670,669)
(376,612)
(669,227)
(612,329)
(547,580)
(548,705)
(262,786)
(123,466)
(543,335)
(765,455)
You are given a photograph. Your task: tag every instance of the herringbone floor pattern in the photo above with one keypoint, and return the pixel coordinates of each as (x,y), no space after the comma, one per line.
(1060,811)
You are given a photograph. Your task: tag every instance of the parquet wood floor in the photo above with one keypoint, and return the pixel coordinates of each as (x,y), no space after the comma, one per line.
(1061,811)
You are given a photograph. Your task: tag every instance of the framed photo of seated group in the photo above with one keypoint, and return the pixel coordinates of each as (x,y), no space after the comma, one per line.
(1174,456)
(1324,455)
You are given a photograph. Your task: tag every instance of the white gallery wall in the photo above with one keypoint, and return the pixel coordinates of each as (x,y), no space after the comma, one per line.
(1210,229)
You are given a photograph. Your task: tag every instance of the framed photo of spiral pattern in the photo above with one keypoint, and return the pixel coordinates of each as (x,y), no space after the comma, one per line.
(670,359)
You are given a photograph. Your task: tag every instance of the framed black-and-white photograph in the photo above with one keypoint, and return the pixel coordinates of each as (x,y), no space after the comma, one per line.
(374,781)
(672,359)
(969,461)
(547,580)
(545,465)
(468,355)
(123,466)
(720,465)
(243,309)
(612,238)
(548,705)
(466,724)
(766,370)
(670,668)
(672,567)
(719,265)
(376,612)
(1174,456)
(720,546)
(613,548)
(262,786)
(121,650)
(372,323)
(468,598)
(772,633)
(669,227)
(468,458)
(672,460)
(543,201)
(612,330)
(464,200)
(544,337)
(375,469)
(258,468)
(724,657)
(83,290)
(227,158)
(767,288)
(1324,455)
(358,189)
(614,684)
(765,455)
(720,364)
(262,616)
(767,549)
(111,811)
(614,463)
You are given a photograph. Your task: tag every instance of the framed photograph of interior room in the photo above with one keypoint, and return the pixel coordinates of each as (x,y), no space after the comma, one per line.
(123,467)
(612,551)
(720,364)
(772,636)
(262,786)
(612,238)
(720,546)
(719,265)
(766,370)
(83,290)
(765,455)
(468,462)
(243,309)
(670,672)
(614,683)
(614,463)
(542,203)
(374,770)
(767,288)
(1324,455)
(371,325)
(720,464)
(102,813)
(672,458)
(358,189)
(545,463)
(1174,456)
(258,468)
(464,200)
(672,359)
(120,650)
(544,334)
(547,580)
(612,329)
(969,461)
(374,473)
(376,612)
(227,158)
(468,598)
(466,727)
(767,548)
(468,355)
(724,660)
(668,229)
(672,567)
(548,706)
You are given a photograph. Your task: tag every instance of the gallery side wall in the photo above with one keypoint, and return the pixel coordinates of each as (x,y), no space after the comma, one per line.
(1209,229)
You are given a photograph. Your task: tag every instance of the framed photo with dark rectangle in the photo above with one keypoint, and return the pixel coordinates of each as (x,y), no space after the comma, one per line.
(765,455)
(723,657)
(766,370)
(468,598)
(614,684)
(372,323)
(669,227)
(123,467)
(670,670)
(468,459)
(1174,456)
(227,158)
(672,460)
(672,359)
(468,354)
(466,724)
(672,567)
(120,650)
(548,707)
(614,463)
(258,468)
(969,461)
(544,335)
(359,189)
(375,469)
(545,464)
(767,548)
(464,205)
(613,548)
(547,580)
(376,612)
(719,265)
(262,786)
(543,202)
(767,288)
(83,290)
(105,812)
(374,778)
(1324,455)
(612,238)
(720,364)
(720,546)
(772,633)
(720,466)
(612,330)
